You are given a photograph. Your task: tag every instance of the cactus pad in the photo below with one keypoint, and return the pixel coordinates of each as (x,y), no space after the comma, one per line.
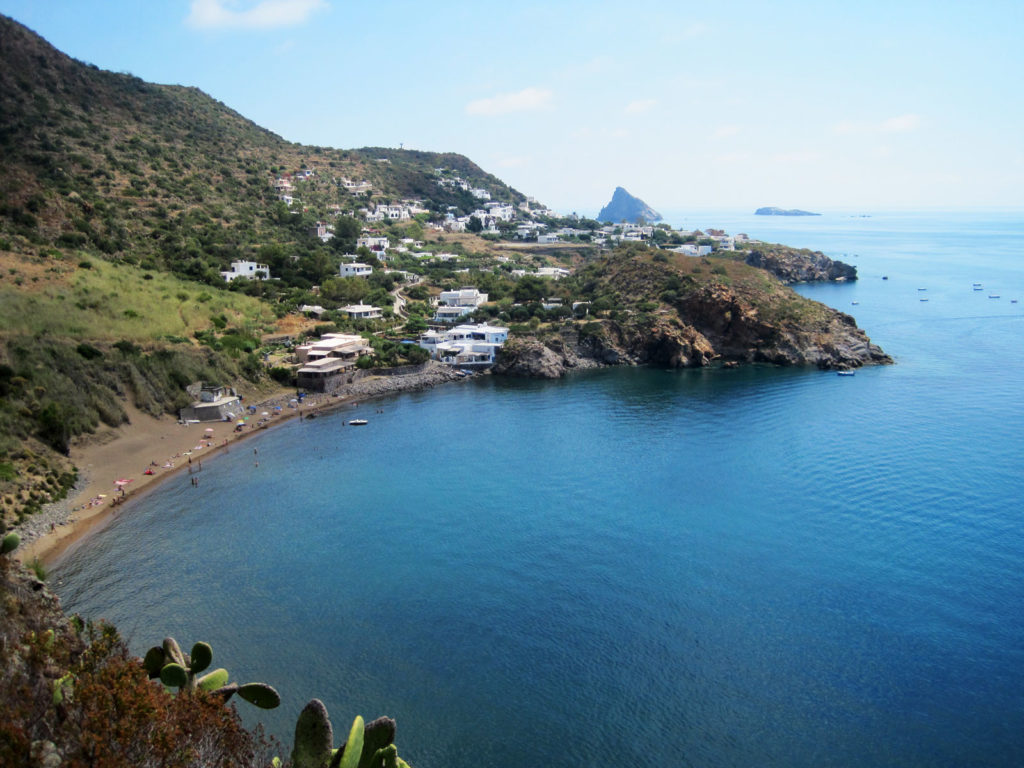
(262,695)
(200,658)
(174,675)
(313,737)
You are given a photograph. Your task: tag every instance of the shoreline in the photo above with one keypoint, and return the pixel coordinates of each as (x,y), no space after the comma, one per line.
(125,451)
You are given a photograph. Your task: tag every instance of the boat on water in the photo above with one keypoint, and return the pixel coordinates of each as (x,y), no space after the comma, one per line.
(923,299)
(846,373)
(993,295)
(357,422)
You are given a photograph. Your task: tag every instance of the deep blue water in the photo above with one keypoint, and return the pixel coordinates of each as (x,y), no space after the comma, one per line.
(639,567)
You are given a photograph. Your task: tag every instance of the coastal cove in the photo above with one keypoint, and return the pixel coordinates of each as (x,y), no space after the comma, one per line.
(709,567)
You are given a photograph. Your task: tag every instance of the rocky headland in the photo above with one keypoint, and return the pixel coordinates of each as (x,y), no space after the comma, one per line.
(684,317)
(793,265)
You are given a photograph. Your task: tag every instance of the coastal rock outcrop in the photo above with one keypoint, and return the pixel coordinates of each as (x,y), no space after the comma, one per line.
(793,265)
(715,326)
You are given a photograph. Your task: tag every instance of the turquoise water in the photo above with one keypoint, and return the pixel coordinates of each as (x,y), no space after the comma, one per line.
(629,567)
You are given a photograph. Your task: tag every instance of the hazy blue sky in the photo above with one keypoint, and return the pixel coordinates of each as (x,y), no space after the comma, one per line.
(818,105)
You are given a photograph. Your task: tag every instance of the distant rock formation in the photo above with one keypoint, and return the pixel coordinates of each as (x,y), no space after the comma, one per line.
(771,210)
(625,207)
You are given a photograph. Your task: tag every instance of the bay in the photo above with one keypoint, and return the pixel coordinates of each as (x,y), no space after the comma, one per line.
(714,568)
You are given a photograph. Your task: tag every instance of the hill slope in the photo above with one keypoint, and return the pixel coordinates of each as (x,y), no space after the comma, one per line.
(169,178)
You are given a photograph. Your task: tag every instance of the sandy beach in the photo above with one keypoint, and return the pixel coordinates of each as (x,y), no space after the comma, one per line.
(166,447)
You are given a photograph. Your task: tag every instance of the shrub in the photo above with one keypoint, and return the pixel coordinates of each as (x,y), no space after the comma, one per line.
(282,375)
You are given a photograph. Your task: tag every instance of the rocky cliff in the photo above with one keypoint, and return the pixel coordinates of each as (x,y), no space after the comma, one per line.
(793,265)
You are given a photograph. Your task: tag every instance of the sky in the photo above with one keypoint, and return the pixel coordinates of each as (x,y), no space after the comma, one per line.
(861,107)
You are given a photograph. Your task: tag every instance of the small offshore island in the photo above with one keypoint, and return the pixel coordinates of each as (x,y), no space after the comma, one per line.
(154,244)
(773,211)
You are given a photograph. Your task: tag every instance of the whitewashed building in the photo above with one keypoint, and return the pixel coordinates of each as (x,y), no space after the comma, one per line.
(246,269)
(356,269)
(465,346)
(362,311)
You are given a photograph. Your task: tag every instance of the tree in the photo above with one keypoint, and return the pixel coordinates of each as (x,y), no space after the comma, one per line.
(474,225)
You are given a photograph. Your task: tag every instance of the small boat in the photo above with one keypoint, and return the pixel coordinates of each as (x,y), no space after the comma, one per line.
(855,303)
(993,295)
(885,277)
(977,287)
(922,289)
(924,299)
(846,373)
(1013,301)
(357,422)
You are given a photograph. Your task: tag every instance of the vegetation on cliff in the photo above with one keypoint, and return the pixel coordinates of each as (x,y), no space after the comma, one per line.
(73,695)
(653,307)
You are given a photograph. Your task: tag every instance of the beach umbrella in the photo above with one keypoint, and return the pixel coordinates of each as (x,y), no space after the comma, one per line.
(208,430)
(122,481)
(240,423)
(264,414)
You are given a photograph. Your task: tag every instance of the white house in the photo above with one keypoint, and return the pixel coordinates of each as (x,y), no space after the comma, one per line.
(691,249)
(362,311)
(464,297)
(246,269)
(356,269)
(502,211)
(341,346)
(480,194)
(450,314)
(556,273)
(550,238)
(465,346)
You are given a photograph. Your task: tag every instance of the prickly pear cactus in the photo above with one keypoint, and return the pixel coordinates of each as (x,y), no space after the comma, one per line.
(176,670)
(314,737)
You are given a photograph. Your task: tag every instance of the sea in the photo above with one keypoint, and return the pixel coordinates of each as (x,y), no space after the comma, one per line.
(629,567)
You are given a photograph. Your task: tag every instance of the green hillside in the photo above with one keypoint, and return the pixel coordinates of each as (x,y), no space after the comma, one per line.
(167,178)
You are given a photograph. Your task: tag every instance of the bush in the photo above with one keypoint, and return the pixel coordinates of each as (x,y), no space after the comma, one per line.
(88,351)
(282,375)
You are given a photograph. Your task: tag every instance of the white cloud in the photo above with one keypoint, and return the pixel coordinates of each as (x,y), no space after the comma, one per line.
(796,157)
(265,14)
(526,100)
(689,32)
(899,124)
(640,106)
